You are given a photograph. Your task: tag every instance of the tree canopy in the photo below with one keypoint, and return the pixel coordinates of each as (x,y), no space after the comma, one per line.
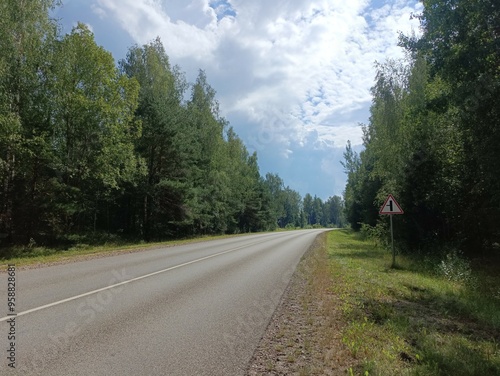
(93,149)
(433,135)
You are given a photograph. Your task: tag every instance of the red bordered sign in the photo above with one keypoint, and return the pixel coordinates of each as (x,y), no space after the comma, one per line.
(391,206)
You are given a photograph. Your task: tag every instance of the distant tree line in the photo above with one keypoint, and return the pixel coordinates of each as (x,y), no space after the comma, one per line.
(434,134)
(290,210)
(90,148)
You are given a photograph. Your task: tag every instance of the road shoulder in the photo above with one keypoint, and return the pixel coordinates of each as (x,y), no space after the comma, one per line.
(304,334)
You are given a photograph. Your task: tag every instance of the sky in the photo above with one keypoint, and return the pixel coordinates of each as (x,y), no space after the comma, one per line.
(292,77)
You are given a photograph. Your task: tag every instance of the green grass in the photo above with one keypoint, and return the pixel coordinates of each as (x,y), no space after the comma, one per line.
(32,255)
(411,320)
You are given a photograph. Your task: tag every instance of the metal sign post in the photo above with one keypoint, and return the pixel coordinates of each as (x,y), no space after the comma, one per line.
(391,207)
(392,245)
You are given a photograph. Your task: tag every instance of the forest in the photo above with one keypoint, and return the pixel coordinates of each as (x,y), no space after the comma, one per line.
(93,149)
(433,136)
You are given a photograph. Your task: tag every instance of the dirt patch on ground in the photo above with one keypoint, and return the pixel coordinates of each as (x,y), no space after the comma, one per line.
(304,336)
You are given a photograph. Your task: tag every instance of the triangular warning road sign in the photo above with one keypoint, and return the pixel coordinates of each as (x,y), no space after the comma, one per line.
(391,206)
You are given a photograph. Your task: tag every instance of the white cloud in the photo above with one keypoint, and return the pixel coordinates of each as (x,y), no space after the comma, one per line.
(187,30)
(296,74)
(101,13)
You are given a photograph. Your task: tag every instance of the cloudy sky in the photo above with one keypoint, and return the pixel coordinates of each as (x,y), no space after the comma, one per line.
(292,77)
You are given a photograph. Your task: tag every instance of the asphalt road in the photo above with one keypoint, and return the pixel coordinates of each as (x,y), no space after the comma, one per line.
(197,309)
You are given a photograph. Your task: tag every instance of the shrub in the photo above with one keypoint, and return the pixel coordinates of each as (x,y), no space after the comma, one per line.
(456,268)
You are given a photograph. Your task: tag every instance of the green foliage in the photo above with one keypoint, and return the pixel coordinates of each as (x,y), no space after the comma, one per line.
(433,133)
(93,131)
(90,153)
(362,186)
(158,199)
(409,321)
(289,210)
(26,38)
(454,267)
(285,202)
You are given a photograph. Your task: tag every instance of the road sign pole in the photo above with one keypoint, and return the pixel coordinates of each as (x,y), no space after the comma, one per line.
(392,242)
(389,208)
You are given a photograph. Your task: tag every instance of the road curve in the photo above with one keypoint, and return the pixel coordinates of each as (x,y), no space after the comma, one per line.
(196,309)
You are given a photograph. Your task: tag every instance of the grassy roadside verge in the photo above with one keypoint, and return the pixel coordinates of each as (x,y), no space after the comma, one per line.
(304,335)
(32,256)
(409,321)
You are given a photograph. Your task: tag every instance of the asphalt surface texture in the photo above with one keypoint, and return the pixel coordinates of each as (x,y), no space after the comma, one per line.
(195,309)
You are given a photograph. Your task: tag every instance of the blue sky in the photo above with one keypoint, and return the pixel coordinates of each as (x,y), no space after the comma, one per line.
(292,77)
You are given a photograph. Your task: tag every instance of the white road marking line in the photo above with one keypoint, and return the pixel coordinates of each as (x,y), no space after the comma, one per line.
(124,282)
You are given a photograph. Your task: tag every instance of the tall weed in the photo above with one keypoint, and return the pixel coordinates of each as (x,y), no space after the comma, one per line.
(456,268)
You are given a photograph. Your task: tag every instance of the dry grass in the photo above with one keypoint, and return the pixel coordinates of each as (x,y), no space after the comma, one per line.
(304,335)
(346,312)
(34,257)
